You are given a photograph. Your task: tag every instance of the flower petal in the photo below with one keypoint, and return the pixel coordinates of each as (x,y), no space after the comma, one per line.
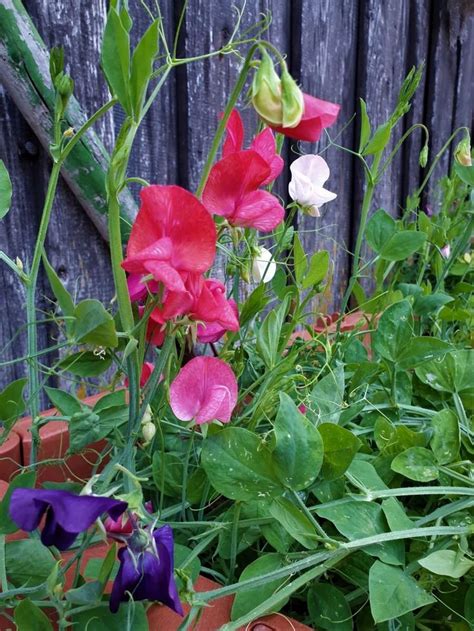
(260,210)
(264,144)
(235,134)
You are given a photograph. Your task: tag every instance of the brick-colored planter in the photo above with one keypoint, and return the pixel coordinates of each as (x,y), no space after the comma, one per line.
(10,456)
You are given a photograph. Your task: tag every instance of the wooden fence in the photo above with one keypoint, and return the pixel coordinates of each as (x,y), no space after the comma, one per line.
(339,50)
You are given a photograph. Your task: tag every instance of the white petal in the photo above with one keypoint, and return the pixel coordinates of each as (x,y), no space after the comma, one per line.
(263,266)
(321,196)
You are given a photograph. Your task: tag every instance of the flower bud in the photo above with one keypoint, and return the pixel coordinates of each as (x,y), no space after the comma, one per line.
(266,91)
(147,416)
(462,154)
(292,101)
(148,432)
(19,263)
(423,159)
(263,266)
(446,251)
(69,133)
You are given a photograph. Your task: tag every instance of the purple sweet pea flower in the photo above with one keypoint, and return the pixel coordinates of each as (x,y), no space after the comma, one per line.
(146,570)
(67,514)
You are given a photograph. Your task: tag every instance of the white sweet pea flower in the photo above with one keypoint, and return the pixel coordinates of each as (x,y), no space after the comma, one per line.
(308,174)
(263,266)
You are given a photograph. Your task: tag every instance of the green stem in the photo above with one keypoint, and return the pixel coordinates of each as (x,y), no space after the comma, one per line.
(32,343)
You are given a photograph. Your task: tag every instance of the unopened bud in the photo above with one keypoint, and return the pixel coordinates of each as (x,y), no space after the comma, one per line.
(147,416)
(148,432)
(266,91)
(69,133)
(423,159)
(263,266)
(19,263)
(292,100)
(463,153)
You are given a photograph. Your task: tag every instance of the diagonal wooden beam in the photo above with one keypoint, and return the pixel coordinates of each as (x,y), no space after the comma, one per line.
(24,71)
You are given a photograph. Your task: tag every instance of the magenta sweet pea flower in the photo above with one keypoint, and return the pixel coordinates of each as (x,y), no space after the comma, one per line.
(204,390)
(147,571)
(211,332)
(67,515)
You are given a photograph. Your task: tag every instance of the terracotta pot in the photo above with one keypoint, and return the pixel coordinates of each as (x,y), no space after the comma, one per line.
(10,456)
(54,445)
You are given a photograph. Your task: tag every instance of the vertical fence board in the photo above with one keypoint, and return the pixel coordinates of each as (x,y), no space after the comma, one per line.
(332,77)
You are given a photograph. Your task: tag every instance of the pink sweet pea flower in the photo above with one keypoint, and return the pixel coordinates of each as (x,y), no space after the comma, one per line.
(211,332)
(172,233)
(203,300)
(204,390)
(263,143)
(232,189)
(317,115)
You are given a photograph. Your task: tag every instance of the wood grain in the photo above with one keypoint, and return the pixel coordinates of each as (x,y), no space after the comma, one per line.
(338,50)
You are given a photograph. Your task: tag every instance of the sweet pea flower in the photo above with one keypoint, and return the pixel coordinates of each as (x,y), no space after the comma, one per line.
(172,233)
(211,332)
(67,514)
(263,266)
(446,251)
(233,187)
(146,570)
(123,525)
(205,389)
(263,143)
(204,300)
(317,115)
(308,174)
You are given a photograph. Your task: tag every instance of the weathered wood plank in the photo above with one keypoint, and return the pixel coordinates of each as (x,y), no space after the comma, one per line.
(332,77)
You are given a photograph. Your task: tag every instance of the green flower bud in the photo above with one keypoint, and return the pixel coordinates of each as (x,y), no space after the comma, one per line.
(423,159)
(266,91)
(292,100)
(462,153)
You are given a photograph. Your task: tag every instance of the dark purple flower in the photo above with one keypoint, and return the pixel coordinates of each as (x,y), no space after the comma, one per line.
(67,514)
(146,570)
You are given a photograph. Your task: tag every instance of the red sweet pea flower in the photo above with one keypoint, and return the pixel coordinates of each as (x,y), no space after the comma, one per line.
(263,143)
(232,192)
(147,369)
(172,233)
(203,300)
(317,115)
(204,390)
(232,189)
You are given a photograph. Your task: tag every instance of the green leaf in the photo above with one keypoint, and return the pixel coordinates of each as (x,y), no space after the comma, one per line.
(94,325)
(379,140)
(420,350)
(395,515)
(365,130)
(85,364)
(5,190)
(269,335)
(87,594)
(129,616)
(340,447)
(454,374)
(29,562)
(318,269)
(22,480)
(393,593)
(427,305)
(357,520)
(115,59)
(445,442)
(142,66)
(239,465)
(295,522)
(466,174)
(299,259)
(248,599)
(84,429)
(298,452)
(416,463)
(327,397)
(366,475)
(447,563)
(61,294)
(255,303)
(66,403)
(12,404)
(29,617)
(402,244)
(329,608)
(394,330)
(380,228)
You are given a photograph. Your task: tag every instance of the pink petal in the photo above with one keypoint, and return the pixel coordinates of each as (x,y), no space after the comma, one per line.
(260,210)
(235,134)
(264,144)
